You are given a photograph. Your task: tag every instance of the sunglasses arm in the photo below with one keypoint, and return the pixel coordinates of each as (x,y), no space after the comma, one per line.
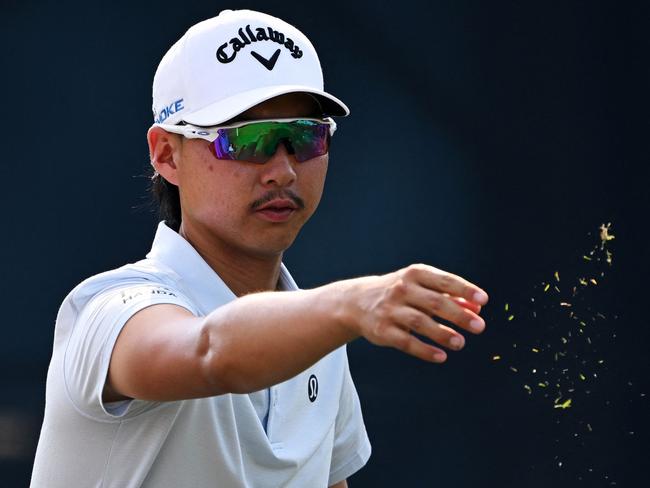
(189,131)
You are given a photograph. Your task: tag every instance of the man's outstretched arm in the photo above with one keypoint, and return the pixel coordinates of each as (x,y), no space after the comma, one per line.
(165,353)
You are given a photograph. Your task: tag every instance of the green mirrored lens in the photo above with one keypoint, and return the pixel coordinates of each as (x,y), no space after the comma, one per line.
(257,142)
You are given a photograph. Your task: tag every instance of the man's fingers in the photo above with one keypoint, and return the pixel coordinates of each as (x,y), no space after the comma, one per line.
(420,323)
(441,305)
(443,282)
(474,307)
(405,342)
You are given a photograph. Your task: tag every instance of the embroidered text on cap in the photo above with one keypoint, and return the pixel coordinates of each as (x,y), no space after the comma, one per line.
(248,37)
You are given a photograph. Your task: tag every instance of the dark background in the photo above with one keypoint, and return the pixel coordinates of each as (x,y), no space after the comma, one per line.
(490,139)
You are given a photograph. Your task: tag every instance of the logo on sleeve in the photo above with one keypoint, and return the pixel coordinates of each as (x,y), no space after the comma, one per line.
(312,388)
(144,291)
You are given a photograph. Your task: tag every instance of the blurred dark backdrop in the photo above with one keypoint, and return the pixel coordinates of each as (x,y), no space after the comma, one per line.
(486,138)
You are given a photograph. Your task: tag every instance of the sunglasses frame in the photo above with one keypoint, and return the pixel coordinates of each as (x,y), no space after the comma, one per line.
(211,133)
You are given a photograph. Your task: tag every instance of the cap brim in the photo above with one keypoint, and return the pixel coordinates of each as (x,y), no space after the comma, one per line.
(231,107)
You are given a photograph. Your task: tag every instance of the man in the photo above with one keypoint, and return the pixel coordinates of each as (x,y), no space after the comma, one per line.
(194,367)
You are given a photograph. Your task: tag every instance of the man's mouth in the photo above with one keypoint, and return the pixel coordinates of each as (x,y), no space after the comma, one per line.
(278,210)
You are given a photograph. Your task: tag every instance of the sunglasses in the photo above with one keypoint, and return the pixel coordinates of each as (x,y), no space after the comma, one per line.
(257,141)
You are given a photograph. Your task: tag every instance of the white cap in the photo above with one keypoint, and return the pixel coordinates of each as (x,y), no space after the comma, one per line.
(229,63)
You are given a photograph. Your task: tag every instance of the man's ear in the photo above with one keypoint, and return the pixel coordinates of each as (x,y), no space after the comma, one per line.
(164,152)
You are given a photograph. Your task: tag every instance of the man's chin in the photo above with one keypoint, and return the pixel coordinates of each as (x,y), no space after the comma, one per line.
(266,245)
(274,249)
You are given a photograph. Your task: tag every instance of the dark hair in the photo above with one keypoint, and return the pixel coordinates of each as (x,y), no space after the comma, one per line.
(166,196)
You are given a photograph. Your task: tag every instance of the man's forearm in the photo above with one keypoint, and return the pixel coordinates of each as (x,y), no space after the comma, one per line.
(265,338)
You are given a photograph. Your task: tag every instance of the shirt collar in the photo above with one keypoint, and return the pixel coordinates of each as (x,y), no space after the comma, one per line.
(197,279)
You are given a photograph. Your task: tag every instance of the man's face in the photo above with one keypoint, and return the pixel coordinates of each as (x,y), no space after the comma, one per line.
(222,198)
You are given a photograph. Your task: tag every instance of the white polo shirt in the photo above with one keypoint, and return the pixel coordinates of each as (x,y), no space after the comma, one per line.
(303,433)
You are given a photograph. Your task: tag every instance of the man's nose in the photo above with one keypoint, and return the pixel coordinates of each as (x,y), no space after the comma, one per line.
(279,170)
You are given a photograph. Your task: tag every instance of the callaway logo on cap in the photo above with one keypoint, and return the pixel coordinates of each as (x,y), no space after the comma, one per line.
(229,63)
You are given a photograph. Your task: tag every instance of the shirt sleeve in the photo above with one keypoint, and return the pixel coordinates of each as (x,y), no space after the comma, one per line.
(351,444)
(91,342)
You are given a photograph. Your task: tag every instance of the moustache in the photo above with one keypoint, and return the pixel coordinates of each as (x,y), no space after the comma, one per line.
(273,195)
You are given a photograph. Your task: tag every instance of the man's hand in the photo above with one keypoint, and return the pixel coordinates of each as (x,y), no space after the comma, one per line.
(387,309)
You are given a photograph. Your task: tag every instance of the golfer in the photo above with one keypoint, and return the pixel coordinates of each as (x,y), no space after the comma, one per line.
(204,364)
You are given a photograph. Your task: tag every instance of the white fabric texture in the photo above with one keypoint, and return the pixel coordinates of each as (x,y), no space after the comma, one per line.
(278,437)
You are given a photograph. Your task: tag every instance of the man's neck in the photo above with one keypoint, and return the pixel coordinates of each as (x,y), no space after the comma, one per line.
(242,272)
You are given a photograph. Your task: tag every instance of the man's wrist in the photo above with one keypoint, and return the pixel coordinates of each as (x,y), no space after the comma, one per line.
(335,298)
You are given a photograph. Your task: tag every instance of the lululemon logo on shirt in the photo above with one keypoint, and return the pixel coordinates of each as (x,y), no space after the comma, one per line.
(312,388)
